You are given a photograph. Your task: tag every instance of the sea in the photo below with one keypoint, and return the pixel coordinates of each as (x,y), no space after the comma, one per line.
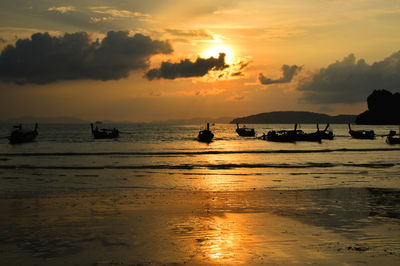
(66,158)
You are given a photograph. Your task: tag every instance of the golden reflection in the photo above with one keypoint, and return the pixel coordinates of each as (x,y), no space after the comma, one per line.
(255,238)
(224,243)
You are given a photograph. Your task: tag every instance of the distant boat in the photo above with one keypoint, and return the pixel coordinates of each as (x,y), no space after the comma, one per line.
(19,135)
(291,136)
(278,136)
(361,134)
(325,134)
(392,139)
(244,131)
(104,133)
(205,135)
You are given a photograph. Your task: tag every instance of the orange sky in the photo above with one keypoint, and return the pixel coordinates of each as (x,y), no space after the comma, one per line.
(257,36)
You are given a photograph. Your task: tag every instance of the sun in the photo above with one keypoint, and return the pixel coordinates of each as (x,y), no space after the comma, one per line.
(215,50)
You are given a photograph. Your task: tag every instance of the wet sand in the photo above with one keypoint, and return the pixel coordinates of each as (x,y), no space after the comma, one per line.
(152,226)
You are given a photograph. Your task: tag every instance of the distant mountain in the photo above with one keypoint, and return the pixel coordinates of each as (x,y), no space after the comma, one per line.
(383,109)
(195,121)
(291,117)
(45,120)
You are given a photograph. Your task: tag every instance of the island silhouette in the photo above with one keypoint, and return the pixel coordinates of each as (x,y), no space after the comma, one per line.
(383,109)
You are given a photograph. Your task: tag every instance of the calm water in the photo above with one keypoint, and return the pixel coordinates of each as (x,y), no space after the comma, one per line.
(66,157)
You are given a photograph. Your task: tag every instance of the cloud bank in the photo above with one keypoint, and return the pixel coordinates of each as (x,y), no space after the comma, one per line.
(186,68)
(44,59)
(288,73)
(351,80)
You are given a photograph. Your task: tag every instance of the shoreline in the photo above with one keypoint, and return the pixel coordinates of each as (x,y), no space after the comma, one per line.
(168,226)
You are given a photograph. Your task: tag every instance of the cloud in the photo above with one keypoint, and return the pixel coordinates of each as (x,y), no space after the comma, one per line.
(288,73)
(120,13)
(351,80)
(62,9)
(107,14)
(186,68)
(200,34)
(235,74)
(44,59)
(233,71)
(236,69)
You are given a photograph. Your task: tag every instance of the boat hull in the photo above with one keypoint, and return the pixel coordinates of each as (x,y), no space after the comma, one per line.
(362,134)
(105,135)
(393,140)
(246,132)
(326,135)
(292,136)
(205,136)
(22,137)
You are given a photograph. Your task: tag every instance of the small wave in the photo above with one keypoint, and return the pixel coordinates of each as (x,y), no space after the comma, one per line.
(38,154)
(203,166)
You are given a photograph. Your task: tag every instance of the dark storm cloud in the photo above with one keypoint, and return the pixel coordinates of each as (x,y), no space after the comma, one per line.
(351,80)
(186,68)
(288,73)
(45,59)
(199,34)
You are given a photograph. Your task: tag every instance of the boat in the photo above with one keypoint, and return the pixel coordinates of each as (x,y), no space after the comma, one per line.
(104,133)
(361,134)
(278,136)
(205,135)
(291,136)
(392,139)
(245,131)
(325,134)
(20,135)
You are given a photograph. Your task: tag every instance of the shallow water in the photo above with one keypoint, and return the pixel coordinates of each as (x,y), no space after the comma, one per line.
(157,196)
(66,157)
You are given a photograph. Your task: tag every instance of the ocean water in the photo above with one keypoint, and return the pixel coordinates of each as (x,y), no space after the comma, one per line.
(67,158)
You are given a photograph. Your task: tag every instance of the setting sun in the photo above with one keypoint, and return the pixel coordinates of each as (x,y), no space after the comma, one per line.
(215,50)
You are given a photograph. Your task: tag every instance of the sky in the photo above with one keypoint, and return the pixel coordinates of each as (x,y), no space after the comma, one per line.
(141,61)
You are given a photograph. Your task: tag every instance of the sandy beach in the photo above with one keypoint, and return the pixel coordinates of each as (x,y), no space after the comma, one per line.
(152,226)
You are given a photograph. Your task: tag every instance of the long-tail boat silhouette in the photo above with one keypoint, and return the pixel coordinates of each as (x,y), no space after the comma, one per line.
(205,135)
(278,136)
(291,136)
(325,134)
(245,131)
(392,139)
(104,133)
(361,134)
(20,135)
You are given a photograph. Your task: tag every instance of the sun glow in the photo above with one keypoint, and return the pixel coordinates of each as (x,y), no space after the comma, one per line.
(215,50)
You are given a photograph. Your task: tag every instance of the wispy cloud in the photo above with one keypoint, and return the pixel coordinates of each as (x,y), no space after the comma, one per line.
(112,13)
(62,9)
(199,34)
